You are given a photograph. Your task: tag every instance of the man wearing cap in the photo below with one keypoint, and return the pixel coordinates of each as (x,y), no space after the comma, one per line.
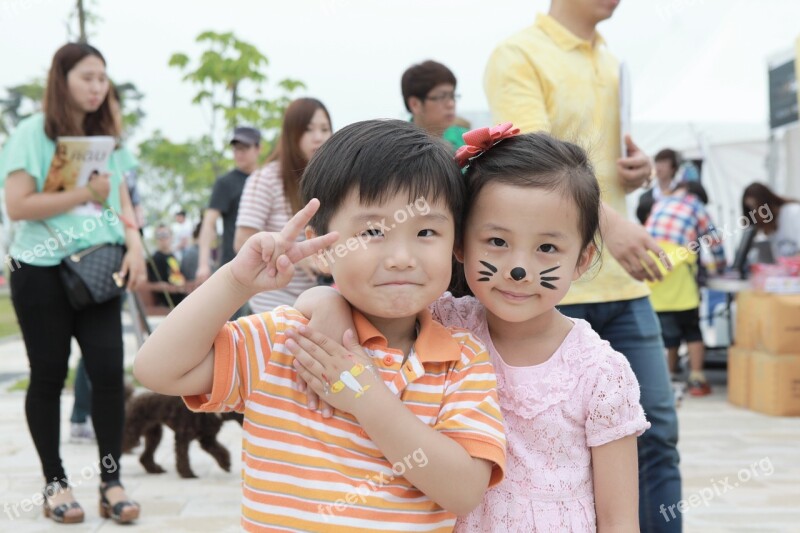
(246,143)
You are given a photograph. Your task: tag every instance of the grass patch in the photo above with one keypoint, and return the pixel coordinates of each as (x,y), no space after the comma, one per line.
(8,318)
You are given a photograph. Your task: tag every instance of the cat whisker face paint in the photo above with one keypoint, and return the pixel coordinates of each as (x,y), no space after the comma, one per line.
(487,274)
(545,280)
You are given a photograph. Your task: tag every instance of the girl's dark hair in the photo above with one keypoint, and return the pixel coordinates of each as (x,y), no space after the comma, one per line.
(539,161)
(379,159)
(292,162)
(763,195)
(58,120)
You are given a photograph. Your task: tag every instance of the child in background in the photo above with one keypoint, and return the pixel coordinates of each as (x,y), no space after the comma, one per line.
(677,221)
(570,402)
(417,434)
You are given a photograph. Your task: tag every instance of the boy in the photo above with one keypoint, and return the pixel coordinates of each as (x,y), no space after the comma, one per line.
(417,434)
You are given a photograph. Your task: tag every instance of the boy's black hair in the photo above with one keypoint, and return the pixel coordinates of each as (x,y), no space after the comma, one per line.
(539,161)
(379,159)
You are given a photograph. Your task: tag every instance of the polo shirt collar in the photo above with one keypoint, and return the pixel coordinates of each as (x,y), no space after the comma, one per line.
(562,36)
(434,343)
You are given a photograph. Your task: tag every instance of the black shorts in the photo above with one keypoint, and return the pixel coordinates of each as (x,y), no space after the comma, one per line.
(677,326)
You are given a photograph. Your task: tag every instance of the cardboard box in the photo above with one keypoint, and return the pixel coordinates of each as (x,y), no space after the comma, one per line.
(739,375)
(774,387)
(745,334)
(778,318)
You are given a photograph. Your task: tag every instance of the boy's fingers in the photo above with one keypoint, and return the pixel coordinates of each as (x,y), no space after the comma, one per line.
(308,353)
(307,248)
(300,220)
(314,383)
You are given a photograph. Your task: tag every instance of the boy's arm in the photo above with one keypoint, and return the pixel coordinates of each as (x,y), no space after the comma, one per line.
(178,358)
(616,492)
(450,476)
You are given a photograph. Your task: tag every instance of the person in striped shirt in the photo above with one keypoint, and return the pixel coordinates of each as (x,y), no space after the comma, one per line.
(416,435)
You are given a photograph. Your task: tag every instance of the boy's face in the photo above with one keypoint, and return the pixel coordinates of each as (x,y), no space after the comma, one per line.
(391,260)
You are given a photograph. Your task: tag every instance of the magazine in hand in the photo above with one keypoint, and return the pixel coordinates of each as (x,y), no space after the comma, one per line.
(75,162)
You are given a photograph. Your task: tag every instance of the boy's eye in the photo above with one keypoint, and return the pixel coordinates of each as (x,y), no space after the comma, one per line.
(426,233)
(548,248)
(497,241)
(372,232)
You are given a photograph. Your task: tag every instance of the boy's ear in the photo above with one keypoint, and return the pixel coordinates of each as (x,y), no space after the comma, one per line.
(320,259)
(584,262)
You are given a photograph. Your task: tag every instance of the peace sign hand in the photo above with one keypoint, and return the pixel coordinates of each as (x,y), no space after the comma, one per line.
(266,261)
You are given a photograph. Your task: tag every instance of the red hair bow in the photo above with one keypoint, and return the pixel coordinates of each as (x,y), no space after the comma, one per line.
(481,139)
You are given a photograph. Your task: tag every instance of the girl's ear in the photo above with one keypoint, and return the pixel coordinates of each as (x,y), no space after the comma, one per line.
(458,252)
(320,258)
(584,261)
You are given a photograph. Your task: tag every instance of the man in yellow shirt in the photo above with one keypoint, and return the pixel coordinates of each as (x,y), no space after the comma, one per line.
(558,76)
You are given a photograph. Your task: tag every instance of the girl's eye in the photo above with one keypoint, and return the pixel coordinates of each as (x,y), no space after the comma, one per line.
(497,241)
(426,233)
(548,248)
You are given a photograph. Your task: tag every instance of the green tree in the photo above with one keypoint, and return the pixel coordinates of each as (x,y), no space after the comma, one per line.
(231,78)
(20,102)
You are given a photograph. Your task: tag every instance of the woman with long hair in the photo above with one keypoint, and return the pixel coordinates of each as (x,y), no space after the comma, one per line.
(776,216)
(76,104)
(272,194)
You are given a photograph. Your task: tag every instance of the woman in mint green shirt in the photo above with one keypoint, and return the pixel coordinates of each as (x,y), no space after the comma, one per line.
(76,104)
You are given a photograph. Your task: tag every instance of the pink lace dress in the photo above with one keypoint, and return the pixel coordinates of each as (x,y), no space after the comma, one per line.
(585,395)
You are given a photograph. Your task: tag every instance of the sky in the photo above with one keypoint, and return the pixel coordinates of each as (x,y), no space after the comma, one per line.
(691,60)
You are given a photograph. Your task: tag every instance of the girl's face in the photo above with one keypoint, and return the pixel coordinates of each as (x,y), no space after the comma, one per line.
(522,250)
(317,132)
(87,84)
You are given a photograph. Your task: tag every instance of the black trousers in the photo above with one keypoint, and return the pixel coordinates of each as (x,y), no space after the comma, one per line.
(48,323)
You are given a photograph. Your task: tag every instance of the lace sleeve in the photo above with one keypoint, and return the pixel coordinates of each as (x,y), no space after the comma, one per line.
(456,312)
(613,410)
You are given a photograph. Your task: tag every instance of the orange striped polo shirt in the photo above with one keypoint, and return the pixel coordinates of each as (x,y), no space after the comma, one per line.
(302,472)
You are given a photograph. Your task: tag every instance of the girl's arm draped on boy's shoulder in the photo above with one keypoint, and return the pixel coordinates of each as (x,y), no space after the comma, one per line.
(452,477)
(24,202)
(330,314)
(178,358)
(615,473)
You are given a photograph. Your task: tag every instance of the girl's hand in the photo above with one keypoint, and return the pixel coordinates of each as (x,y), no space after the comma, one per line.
(266,261)
(134,268)
(344,377)
(99,187)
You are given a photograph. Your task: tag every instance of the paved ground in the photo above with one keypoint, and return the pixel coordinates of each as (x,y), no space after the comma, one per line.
(741,470)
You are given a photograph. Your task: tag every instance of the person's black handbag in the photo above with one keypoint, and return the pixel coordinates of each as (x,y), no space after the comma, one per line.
(91,276)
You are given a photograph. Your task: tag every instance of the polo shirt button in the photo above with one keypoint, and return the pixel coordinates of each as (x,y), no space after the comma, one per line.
(388,360)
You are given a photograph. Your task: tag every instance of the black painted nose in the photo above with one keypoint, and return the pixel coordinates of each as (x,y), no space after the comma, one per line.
(517,273)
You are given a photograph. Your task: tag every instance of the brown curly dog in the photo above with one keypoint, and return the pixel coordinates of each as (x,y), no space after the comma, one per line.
(144,416)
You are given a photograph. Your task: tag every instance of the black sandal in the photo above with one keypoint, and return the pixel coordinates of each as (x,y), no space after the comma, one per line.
(122,512)
(59,513)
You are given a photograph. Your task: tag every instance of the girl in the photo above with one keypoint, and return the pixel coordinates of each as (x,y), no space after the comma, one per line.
(75,103)
(272,195)
(778,218)
(570,402)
